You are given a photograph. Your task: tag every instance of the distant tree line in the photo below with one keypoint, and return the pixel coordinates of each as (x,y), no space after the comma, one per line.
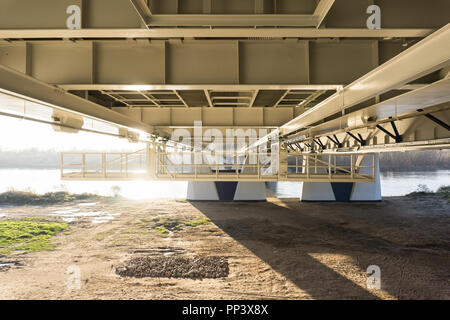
(389,161)
(428,160)
(29,159)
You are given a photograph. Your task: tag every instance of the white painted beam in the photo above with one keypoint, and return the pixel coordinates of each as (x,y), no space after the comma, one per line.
(397,107)
(15,83)
(428,55)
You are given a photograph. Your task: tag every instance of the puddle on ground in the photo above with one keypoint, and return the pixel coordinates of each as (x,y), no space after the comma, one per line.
(66,211)
(71,214)
(4,214)
(87,204)
(4,266)
(105,218)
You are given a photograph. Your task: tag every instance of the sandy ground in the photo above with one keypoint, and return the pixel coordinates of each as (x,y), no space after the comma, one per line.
(281,249)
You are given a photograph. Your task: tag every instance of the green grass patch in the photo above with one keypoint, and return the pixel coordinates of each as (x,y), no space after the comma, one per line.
(198,222)
(444,191)
(164,226)
(28,235)
(422,190)
(161,230)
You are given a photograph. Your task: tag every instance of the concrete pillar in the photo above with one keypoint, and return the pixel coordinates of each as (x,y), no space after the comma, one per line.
(226,191)
(345,191)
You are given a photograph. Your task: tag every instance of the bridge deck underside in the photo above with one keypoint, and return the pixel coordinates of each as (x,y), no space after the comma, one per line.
(317,71)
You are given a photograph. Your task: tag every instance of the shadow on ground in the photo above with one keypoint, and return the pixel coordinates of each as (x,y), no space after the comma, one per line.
(288,236)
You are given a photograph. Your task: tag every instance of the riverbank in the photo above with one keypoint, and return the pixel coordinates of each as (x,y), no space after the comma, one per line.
(43,181)
(281,249)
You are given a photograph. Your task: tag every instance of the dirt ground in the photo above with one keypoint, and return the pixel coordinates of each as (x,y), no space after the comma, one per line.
(281,249)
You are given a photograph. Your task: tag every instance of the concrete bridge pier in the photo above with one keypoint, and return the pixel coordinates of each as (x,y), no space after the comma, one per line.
(226,191)
(345,191)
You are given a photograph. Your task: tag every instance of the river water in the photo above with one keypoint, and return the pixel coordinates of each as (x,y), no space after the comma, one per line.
(41,181)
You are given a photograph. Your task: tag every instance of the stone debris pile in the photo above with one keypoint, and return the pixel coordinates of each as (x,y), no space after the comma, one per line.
(175,267)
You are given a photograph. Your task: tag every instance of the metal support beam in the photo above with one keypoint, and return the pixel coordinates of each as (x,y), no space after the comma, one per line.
(18,84)
(337,140)
(360,140)
(252,101)
(411,102)
(394,136)
(322,10)
(210,87)
(334,141)
(398,138)
(227,20)
(428,55)
(234,33)
(208,97)
(438,121)
(143,10)
(311,98)
(319,142)
(21,117)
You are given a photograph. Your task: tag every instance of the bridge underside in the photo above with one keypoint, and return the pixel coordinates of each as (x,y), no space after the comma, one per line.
(313,71)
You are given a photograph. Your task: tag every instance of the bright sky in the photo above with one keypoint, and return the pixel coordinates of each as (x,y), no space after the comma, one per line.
(16,134)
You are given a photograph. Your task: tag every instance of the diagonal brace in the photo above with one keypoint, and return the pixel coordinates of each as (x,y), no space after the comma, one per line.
(396,136)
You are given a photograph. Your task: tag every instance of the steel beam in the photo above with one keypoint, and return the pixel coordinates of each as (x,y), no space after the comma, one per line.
(23,86)
(143,10)
(234,33)
(411,129)
(214,62)
(428,55)
(52,123)
(360,139)
(404,105)
(211,87)
(395,136)
(227,20)
(322,9)
(438,121)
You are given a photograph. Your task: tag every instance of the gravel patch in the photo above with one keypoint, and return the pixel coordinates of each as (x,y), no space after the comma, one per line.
(175,267)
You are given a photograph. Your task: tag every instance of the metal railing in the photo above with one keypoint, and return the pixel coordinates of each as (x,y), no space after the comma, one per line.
(218,166)
(336,167)
(291,167)
(103,166)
